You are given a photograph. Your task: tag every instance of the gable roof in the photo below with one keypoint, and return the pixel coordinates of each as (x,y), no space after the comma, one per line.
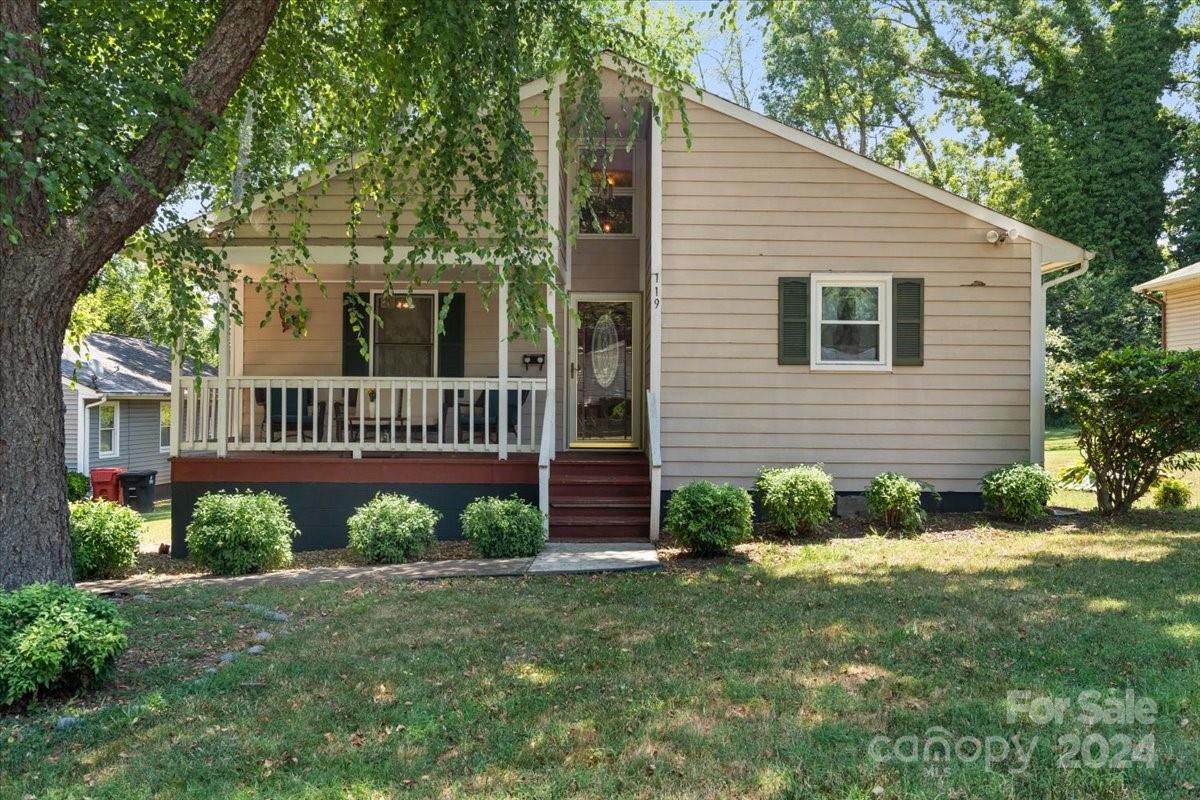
(1057,253)
(120,365)
(1181,275)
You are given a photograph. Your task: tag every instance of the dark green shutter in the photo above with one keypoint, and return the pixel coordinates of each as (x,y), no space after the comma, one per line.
(452,341)
(908,322)
(354,361)
(793,320)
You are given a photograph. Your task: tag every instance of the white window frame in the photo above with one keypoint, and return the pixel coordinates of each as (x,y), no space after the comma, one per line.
(436,304)
(116,429)
(636,192)
(164,448)
(872,280)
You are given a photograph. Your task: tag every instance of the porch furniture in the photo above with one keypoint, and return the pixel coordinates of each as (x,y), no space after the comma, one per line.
(290,409)
(486,406)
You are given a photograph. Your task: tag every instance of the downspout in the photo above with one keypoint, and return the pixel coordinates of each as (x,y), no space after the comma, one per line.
(1161,302)
(87,434)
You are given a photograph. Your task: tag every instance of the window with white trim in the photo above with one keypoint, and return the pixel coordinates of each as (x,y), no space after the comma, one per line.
(612,205)
(851,321)
(109,429)
(164,427)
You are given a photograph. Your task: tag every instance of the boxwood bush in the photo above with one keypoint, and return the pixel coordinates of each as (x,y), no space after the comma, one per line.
(1018,492)
(894,501)
(503,528)
(104,538)
(241,532)
(392,528)
(78,486)
(795,499)
(55,638)
(1172,494)
(707,519)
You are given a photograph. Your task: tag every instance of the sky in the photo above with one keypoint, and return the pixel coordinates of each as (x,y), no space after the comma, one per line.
(714,41)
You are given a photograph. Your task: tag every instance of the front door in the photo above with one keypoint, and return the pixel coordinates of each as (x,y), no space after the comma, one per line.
(605,371)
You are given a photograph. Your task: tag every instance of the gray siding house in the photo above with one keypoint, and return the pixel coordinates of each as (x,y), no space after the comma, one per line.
(118,405)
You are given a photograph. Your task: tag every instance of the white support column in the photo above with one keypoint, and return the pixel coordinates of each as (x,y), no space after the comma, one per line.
(656,299)
(502,370)
(176,396)
(223,358)
(1037,357)
(557,236)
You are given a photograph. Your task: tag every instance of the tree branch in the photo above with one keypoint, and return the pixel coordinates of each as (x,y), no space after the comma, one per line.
(159,160)
(922,145)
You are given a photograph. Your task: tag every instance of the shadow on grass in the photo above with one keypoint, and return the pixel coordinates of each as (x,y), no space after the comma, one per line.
(759,678)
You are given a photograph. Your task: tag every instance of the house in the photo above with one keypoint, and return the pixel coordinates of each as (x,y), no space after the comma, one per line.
(117,392)
(761,297)
(1177,294)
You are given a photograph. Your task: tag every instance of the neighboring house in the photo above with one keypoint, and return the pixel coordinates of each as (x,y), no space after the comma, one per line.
(762,297)
(117,392)
(1177,294)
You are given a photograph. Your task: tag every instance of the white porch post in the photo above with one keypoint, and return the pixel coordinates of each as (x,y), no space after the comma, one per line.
(223,356)
(502,370)
(176,394)
(655,289)
(557,240)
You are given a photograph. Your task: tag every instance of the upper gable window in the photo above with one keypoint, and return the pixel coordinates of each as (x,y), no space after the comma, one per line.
(611,205)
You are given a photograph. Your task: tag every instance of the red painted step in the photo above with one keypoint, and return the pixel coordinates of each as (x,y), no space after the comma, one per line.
(599,496)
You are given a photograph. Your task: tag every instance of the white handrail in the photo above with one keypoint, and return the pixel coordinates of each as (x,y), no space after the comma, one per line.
(652,431)
(545,456)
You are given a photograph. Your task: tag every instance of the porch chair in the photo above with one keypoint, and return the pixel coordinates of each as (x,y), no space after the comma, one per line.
(298,413)
(516,400)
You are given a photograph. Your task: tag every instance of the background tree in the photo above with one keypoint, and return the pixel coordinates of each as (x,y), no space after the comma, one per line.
(836,69)
(114,111)
(1079,89)
(1076,115)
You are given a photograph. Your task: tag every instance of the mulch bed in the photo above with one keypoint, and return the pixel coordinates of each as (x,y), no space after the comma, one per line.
(156,564)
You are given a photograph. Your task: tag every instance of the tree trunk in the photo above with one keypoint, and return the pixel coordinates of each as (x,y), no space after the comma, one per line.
(34,542)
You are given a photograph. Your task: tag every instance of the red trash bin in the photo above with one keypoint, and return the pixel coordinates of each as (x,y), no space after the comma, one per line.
(106,483)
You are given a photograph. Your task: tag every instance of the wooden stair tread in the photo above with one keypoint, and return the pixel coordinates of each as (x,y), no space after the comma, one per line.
(601,502)
(598,521)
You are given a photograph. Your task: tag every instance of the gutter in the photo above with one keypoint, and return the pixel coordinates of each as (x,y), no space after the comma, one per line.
(1084,263)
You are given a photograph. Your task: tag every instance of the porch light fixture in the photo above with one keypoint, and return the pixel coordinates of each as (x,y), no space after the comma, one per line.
(404,304)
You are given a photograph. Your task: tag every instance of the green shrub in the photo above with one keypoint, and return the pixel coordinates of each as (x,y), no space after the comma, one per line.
(1138,411)
(392,528)
(504,528)
(894,501)
(707,519)
(795,499)
(241,532)
(1018,492)
(1172,494)
(55,638)
(104,538)
(78,486)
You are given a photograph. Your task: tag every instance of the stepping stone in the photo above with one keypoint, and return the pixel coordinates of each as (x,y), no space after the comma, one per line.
(574,557)
(256,650)
(262,636)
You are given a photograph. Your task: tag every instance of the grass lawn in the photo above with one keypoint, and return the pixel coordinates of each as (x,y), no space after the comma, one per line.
(1062,450)
(158,524)
(763,676)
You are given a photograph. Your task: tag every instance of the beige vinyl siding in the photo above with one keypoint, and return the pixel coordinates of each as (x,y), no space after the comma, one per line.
(1183,317)
(743,208)
(327,207)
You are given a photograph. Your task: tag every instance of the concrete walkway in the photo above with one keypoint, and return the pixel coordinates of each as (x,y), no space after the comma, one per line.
(559,558)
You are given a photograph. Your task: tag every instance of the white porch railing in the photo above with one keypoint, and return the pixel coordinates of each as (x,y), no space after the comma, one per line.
(307,414)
